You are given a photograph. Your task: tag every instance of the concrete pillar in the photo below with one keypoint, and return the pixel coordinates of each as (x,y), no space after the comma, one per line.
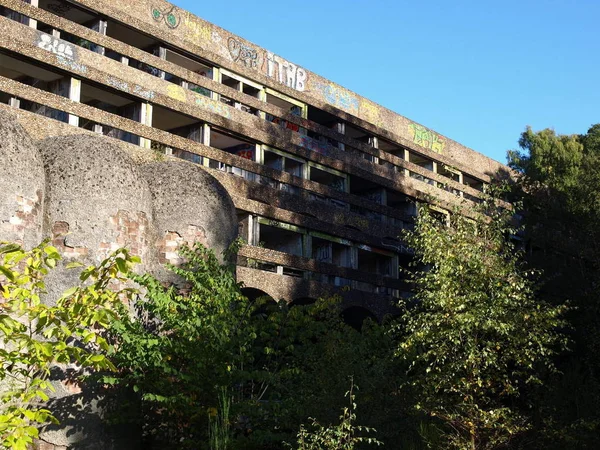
(146,119)
(75,95)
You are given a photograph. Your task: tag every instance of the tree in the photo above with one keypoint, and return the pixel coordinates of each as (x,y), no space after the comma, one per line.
(209,366)
(181,348)
(559,182)
(474,333)
(36,337)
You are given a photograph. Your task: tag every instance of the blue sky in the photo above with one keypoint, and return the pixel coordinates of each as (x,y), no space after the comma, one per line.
(477,71)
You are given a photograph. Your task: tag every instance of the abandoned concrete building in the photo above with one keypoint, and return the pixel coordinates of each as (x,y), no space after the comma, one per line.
(323,181)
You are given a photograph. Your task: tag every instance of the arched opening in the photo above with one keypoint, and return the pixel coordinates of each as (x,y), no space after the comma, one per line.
(356,315)
(262,303)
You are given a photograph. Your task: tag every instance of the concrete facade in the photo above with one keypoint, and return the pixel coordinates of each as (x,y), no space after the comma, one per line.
(322,180)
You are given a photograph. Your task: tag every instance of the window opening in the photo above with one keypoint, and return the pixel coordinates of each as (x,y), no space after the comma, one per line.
(328,177)
(285,240)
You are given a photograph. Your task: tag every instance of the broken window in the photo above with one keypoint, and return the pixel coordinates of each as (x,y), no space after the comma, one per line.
(41,77)
(243,85)
(290,106)
(473,182)
(113,102)
(331,250)
(375,261)
(194,65)
(359,134)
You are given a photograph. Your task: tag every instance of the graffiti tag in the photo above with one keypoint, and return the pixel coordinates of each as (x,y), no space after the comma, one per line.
(212,105)
(285,72)
(242,53)
(427,138)
(167,15)
(56,46)
(339,97)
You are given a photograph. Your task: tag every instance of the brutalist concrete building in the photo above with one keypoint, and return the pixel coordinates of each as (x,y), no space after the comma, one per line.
(322,181)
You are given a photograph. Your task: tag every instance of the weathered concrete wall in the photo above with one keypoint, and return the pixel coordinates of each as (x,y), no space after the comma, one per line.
(22,184)
(89,196)
(189,205)
(183,29)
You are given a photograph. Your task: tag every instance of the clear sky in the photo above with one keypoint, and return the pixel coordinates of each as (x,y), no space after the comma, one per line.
(477,71)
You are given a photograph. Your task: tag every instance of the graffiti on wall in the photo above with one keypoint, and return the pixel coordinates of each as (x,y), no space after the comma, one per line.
(176,92)
(242,53)
(370,112)
(427,138)
(339,97)
(315,145)
(213,105)
(56,46)
(125,87)
(285,72)
(66,55)
(167,15)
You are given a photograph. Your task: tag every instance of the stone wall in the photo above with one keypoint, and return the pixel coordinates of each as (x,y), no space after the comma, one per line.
(89,197)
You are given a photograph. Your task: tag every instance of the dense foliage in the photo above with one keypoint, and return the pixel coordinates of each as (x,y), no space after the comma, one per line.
(474,334)
(469,363)
(559,183)
(36,337)
(208,365)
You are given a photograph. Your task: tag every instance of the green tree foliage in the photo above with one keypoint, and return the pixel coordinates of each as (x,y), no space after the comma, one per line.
(181,346)
(343,436)
(35,336)
(559,183)
(278,365)
(474,333)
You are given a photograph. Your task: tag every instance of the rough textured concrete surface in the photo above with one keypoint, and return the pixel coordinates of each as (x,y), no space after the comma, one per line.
(21,185)
(189,206)
(96,202)
(91,183)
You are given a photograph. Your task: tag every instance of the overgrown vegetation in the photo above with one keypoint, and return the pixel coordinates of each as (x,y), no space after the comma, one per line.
(475,359)
(559,183)
(35,337)
(475,336)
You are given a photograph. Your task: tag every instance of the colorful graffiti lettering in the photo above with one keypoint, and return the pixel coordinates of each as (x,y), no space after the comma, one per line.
(370,112)
(73,66)
(339,97)
(242,53)
(118,84)
(213,106)
(176,92)
(285,72)
(427,138)
(196,32)
(138,90)
(167,15)
(56,46)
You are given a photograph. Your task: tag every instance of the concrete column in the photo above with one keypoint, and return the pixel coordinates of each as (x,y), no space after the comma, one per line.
(75,95)
(33,22)
(146,119)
